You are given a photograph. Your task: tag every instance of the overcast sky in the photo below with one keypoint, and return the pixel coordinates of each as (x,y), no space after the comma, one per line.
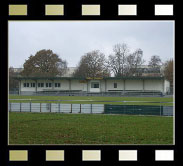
(72,39)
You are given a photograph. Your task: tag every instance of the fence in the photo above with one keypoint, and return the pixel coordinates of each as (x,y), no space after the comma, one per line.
(56,107)
(14,92)
(81,93)
(91,108)
(134,109)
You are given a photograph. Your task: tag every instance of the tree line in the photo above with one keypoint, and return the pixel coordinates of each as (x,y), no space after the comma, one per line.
(94,64)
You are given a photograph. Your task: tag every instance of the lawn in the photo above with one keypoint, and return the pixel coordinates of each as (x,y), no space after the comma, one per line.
(55,128)
(96,100)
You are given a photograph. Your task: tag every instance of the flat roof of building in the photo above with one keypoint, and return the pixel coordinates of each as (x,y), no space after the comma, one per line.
(90,78)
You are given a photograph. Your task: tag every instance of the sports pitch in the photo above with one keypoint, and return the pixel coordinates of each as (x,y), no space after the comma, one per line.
(54,128)
(60,128)
(96,100)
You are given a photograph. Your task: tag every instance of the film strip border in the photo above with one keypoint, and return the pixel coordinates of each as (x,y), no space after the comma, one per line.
(90,155)
(25,156)
(85,9)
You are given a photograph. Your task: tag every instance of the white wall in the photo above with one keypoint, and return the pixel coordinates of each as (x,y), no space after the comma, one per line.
(154,85)
(64,85)
(134,85)
(85,87)
(102,85)
(166,86)
(76,85)
(94,89)
(110,85)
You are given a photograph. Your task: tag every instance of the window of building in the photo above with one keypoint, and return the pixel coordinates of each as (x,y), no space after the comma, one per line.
(40,84)
(115,85)
(26,84)
(94,85)
(48,85)
(57,84)
(32,84)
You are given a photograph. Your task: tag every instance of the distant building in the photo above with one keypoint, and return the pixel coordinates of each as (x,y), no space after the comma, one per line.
(69,71)
(17,70)
(143,70)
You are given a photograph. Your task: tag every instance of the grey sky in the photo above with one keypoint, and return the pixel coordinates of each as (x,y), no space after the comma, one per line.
(72,39)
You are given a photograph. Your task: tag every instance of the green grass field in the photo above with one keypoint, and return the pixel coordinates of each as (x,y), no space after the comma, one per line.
(54,128)
(96,100)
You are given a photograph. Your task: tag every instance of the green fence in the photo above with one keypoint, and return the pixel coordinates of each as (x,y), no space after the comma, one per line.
(133,109)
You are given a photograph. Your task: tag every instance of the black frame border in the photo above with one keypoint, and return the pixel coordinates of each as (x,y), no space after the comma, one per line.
(72,11)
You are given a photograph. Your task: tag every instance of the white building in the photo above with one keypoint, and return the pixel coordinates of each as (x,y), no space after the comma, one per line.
(31,85)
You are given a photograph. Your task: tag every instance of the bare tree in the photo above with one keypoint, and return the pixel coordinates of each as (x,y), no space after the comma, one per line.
(155,65)
(62,67)
(44,63)
(155,62)
(117,62)
(92,64)
(13,83)
(168,71)
(134,62)
(124,63)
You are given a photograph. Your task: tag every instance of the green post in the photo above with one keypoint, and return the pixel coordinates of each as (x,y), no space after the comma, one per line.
(143,84)
(87,87)
(10,106)
(160,110)
(40,107)
(30,106)
(19,87)
(71,108)
(69,85)
(20,107)
(58,107)
(124,85)
(36,86)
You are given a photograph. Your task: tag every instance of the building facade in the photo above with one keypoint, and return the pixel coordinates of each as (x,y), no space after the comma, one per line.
(33,85)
